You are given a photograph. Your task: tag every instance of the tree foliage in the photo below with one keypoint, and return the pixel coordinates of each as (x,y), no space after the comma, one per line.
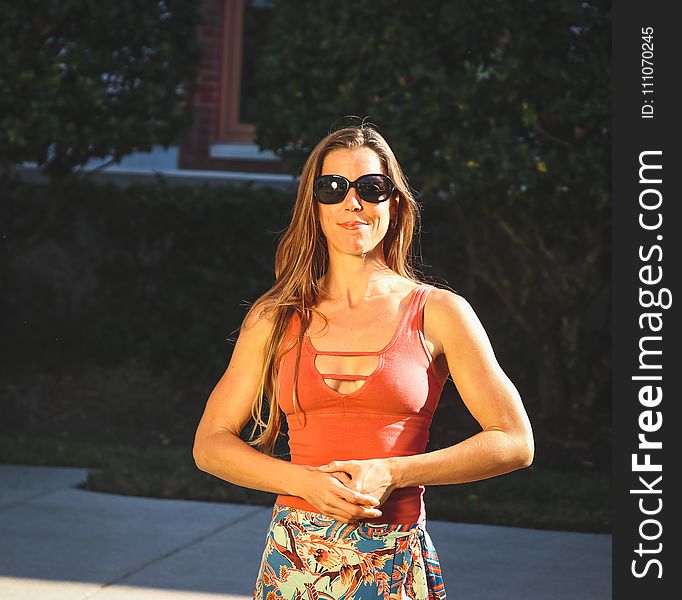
(499,110)
(82,79)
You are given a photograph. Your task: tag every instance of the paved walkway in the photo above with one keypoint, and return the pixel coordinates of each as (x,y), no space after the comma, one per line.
(60,542)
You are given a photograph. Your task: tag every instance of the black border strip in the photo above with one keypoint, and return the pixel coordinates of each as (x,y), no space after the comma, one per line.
(633,135)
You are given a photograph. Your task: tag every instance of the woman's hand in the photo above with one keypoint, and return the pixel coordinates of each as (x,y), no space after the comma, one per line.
(330,495)
(372,476)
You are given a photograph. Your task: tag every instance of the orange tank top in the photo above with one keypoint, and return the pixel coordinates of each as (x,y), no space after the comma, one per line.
(389,415)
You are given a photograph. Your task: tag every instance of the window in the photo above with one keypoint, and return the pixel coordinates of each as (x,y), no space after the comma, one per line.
(247,23)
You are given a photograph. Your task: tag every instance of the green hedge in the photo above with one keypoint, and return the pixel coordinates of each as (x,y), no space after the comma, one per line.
(154,272)
(122,317)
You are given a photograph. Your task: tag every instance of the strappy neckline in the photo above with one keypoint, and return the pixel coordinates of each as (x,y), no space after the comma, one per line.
(413,295)
(368,379)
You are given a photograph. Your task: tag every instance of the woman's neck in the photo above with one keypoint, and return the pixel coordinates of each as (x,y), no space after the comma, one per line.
(353,282)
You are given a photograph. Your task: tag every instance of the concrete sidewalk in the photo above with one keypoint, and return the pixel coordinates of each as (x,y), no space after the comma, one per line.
(58,542)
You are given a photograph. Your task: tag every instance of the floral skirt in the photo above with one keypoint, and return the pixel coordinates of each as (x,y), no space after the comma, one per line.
(311,556)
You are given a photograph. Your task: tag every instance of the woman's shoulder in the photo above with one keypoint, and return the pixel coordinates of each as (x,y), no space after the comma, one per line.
(444,304)
(443,294)
(439,299)
(454,322)
(265,315)
(260,318)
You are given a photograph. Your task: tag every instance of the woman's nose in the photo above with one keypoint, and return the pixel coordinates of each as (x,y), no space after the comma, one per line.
(352,200)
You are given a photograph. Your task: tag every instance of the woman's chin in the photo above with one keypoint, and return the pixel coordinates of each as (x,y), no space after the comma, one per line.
(361,250)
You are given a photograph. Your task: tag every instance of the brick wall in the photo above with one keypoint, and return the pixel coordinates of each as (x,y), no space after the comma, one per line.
(194,148)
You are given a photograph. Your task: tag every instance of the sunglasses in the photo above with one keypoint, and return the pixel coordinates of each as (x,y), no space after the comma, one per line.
(332,189)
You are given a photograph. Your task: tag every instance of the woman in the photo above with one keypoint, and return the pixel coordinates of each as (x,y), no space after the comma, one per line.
(354,349)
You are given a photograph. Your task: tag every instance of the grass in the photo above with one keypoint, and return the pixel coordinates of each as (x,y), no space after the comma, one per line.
(535,497)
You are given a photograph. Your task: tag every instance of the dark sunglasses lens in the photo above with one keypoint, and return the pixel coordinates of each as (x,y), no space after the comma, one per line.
(330,189)
(374,188)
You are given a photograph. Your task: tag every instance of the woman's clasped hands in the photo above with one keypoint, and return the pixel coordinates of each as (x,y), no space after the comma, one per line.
(350,490)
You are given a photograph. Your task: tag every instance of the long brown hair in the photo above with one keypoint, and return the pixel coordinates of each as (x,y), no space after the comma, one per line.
(301,261)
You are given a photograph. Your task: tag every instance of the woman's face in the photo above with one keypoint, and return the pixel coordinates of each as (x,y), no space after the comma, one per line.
(354,226)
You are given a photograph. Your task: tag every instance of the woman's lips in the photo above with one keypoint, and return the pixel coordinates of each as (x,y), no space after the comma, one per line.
(354,224)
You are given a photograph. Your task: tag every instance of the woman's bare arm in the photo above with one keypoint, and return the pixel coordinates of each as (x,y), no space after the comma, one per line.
(217,447)
(506,442)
